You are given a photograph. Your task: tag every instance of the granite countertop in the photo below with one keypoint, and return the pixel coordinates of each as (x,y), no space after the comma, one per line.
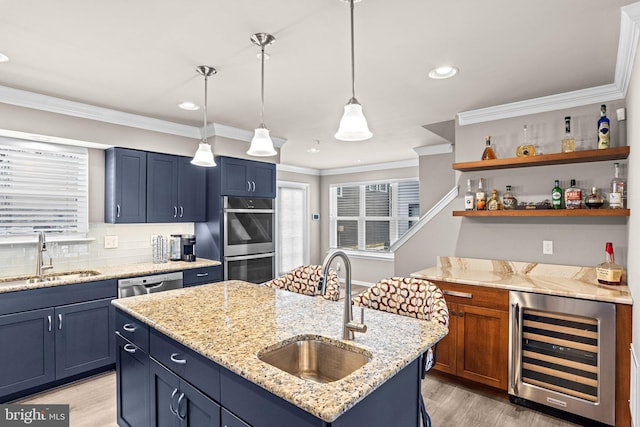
(230,322)
(550,279)
(19,283)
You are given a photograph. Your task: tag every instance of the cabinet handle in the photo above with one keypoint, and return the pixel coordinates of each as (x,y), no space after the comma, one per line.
(452,312)
(254,186)
(175,211)
(129,327)
(49,319)
(248,186)
(181,211)
(202,274)
(129,348)
(460,314)
(457,294)
(59,321)
(182,417)
(173,395)
(117,211)
(174,359)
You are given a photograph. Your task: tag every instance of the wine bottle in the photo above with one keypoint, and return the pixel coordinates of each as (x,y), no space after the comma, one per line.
(603,128)
(556,195)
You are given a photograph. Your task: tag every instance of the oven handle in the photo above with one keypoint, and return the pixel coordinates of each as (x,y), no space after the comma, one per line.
(515,346)
(260,211)
(254,256)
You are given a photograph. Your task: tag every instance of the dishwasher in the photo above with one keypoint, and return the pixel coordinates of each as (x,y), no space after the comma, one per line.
(149,284)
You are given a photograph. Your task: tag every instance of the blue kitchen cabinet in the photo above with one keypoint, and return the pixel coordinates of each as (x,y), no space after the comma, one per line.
(200,276)
(247,178)
(176,189)
(125,186)
(132,383)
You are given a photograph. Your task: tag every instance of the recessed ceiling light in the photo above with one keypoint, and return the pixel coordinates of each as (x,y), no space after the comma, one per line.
(443,72)
(3,57)
(315,149)
(188,105)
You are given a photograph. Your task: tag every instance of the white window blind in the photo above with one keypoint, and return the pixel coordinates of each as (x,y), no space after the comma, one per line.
(43,187)
(372,216)
(292,241)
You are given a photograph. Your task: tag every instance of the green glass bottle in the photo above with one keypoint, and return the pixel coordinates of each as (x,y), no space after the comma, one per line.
(556,195)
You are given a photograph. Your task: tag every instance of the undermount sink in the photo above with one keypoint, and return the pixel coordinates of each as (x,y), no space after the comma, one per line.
(320,360)
(50,278)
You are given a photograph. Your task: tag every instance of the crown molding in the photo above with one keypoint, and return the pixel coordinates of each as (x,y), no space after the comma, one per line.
(432,150)
(297,169)
(627,46)
(369,168)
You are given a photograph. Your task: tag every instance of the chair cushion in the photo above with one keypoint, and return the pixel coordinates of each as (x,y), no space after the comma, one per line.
(304,280)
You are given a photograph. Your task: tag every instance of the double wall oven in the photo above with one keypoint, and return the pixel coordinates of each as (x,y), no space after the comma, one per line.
(249,239)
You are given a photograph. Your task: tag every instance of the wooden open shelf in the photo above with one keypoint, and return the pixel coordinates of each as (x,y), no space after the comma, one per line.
(545,213)
(615,153)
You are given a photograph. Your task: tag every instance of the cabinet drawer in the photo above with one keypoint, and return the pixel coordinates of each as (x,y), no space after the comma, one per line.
(230,420)
(474,295)
(193,367)
(198,276)
(133,330)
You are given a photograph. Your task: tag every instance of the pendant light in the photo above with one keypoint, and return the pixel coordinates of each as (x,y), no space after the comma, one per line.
(261,144)
(353,125)
(204,155)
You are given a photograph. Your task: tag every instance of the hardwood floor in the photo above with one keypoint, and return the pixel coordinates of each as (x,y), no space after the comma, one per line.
(93,404)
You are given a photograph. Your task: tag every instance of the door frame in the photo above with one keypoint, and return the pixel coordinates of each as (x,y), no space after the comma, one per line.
(307,222)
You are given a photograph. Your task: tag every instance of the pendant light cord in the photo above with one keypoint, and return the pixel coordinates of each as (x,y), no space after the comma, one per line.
(262,89)
(204,139)
(353,66)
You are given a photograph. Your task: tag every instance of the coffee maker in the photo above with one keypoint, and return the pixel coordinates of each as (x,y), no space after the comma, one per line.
(188,244)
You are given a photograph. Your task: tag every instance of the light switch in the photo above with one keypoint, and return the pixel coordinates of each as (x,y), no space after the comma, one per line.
(110,242)
(547,247)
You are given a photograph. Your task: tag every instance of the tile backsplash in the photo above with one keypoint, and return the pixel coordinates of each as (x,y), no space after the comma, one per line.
(134,246)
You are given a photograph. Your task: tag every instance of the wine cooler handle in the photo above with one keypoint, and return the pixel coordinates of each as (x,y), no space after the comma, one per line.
(515,342)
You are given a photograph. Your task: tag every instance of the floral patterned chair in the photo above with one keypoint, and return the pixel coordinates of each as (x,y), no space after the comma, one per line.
(305,280)
(411,297)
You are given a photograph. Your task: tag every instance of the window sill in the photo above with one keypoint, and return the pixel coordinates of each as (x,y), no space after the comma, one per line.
(50,239)
(386,256)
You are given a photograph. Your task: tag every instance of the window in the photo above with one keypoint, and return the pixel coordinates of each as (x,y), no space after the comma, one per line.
(372,216)
(43,187)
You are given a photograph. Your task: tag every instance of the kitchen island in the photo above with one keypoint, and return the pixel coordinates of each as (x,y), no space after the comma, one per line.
(228,324)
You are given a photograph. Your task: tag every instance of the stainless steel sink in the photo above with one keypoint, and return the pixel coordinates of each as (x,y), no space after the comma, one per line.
(319,360)
(50,278)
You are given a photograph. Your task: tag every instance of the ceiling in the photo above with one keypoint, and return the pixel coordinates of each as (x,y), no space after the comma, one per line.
(140,57)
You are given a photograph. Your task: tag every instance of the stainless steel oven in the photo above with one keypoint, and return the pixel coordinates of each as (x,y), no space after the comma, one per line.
(562,355)
(256,268)
(249,226)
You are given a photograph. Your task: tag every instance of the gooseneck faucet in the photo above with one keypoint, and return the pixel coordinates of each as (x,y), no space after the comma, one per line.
(42,247)
(348,325)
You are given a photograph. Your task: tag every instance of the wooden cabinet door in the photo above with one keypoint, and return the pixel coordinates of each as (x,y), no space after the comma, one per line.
(132,383)
(85,337)
(235,177)
(162,188)
(125,186)
(263,180)
(192,195)
(482,336)
(26,352)
(447,347)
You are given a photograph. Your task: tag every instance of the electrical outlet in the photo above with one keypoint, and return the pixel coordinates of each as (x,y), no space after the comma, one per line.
(547,247)
(110,242)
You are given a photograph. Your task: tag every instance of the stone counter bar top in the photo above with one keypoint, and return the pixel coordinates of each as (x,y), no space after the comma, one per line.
(550,279)
(7,284)
(230,322)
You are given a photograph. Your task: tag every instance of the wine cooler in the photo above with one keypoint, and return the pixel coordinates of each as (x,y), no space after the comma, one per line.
(562,355)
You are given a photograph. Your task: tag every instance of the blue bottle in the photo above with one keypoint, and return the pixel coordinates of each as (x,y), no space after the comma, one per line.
(603,128)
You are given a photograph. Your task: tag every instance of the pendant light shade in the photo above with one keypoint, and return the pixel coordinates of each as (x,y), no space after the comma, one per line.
(353,125)
(204,155)
(261,144)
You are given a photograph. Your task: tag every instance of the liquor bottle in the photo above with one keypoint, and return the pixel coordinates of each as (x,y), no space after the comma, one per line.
(488,153)
(493,204)
(568,142)
(618,195)
(508,201)
(469,198)
(573,196)
(594,200)
(481,196)
(556,195)
(603,128)
(609,273)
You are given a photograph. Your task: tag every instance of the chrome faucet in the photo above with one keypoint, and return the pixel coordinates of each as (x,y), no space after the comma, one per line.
(42,247)
(348,325)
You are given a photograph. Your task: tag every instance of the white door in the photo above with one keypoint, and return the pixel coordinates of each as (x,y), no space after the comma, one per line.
(292,227)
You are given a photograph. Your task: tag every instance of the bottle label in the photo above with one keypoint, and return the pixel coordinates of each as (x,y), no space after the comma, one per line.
(480,201)
(556,198)
(468,203)
(603,135)
(508,202)
(573,198)
(609,274)
(615,200)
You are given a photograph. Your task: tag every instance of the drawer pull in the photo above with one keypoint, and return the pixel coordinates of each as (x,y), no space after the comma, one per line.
(174,359)
(60,321)
(49,318)
(202,274)
(457,294)
(129,327)
(129,348)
